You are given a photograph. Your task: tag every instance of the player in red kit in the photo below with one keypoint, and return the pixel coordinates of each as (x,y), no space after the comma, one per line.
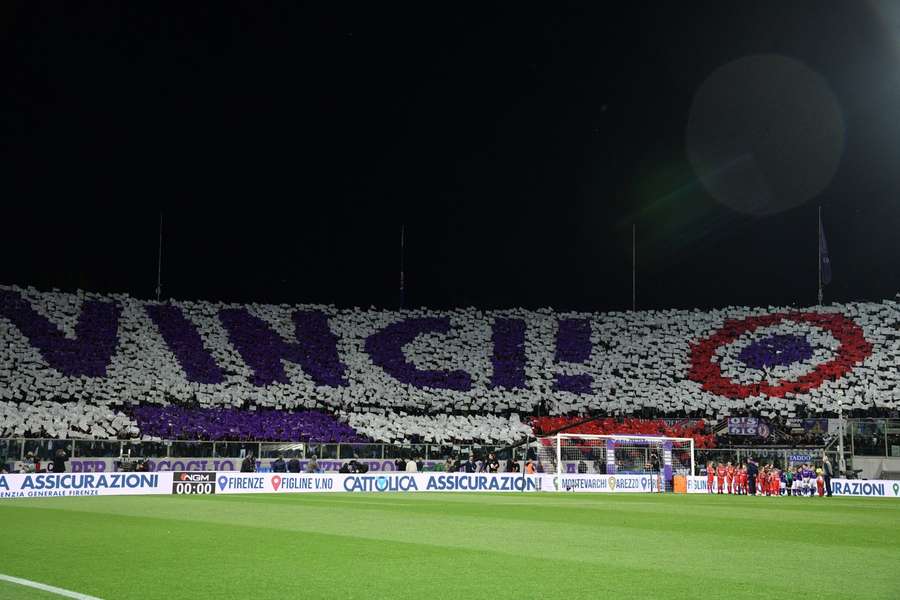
(729,477)
(742,480)
(710,474)
(762,481)
(720,477)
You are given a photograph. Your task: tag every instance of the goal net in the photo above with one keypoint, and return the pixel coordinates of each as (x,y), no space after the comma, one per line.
(659,457)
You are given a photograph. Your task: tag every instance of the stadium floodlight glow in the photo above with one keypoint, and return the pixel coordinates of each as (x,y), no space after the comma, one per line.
(577,453)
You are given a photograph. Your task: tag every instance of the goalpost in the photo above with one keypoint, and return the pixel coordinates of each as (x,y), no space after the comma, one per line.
(575,453)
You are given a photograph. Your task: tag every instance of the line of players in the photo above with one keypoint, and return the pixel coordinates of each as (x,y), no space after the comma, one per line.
(804,480)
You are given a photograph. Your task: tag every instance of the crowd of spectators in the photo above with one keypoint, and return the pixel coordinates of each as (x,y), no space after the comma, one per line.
(696,429)
(111,366)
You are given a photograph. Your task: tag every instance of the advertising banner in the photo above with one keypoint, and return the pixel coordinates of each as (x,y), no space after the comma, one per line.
(600,483)
(872,488)
(270,483)
(41,485)
(108,464)
(696,484)
(800,458)
(229,482)
(249,483)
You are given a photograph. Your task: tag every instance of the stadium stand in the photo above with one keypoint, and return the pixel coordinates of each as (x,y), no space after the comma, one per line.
(177,423)
(402,428)
(83,364)
(695,428)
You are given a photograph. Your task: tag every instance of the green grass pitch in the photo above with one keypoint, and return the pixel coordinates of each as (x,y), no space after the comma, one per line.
(468,546)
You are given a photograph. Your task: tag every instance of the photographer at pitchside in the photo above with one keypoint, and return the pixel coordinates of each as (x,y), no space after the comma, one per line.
(29,465)
(278,465)
(470,466)
(493,465)
(59,460)
(313,465)
(248,465)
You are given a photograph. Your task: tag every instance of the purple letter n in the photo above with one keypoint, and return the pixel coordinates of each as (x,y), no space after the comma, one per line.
(263,349)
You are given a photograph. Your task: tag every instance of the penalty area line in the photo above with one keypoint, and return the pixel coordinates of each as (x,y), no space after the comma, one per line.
(46,588)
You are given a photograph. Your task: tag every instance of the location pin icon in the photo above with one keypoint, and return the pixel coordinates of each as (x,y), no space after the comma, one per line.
(276,482)
(896,488)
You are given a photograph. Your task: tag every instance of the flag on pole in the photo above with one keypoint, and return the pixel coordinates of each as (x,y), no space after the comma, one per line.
(823,255)
(159,262)
(402,274)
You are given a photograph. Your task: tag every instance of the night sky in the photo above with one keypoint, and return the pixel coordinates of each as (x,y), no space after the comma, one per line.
(285,145)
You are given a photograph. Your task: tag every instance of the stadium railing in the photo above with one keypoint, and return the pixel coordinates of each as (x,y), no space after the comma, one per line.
(864,437)
(43,448)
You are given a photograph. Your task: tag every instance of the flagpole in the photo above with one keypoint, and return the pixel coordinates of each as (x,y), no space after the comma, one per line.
(633,267)
(402,246)
(819,245)
(159,261)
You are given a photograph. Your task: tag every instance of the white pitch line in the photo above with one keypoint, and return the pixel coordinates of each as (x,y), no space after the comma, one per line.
(46,588)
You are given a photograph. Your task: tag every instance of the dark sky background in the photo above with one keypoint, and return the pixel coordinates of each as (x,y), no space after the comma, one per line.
(285,145)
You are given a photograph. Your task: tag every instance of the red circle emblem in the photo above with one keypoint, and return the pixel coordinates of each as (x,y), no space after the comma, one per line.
(854,348)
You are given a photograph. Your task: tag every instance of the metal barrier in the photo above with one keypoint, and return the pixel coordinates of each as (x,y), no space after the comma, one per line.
(778,456)
(863,437)
(13,449)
